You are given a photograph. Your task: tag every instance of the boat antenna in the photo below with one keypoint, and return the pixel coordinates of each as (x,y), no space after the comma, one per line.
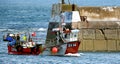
(69,2)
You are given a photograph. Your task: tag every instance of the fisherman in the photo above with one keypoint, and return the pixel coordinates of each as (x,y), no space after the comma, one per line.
(12,43)
(25,38)
(9,37)
(18,39)
(11,40)
(31,43)
(5,37)
(24,44)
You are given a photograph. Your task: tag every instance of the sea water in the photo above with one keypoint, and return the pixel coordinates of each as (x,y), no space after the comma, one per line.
(29,17)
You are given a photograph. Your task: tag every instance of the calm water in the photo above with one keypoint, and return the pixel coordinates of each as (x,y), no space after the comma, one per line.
(36,18)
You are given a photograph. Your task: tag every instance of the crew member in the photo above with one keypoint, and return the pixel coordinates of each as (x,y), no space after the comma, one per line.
(25,38)
(18,39)
(11,40)
(31,43)
(9,37)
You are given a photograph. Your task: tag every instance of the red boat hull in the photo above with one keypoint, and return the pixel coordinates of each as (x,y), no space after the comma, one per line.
(23,51)
(72,47)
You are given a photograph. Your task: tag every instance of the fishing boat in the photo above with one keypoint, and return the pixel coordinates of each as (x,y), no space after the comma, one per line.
(23,47)
(62,36)
(61,39)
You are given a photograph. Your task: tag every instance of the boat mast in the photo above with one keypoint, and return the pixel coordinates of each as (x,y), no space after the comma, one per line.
(63,2)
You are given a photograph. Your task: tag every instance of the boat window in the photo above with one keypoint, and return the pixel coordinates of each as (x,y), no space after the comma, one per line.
(67,16)
(75,35)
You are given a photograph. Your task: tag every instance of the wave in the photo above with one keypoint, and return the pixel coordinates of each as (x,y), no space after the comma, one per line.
(42,29)
(7,30)
(24,29)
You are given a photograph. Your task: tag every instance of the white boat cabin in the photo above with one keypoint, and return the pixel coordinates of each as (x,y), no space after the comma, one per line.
(72,36)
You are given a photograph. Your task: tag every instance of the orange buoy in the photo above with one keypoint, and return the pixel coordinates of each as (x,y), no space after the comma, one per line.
(54,50)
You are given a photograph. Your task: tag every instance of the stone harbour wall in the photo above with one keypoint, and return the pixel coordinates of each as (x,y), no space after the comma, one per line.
(101,29)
